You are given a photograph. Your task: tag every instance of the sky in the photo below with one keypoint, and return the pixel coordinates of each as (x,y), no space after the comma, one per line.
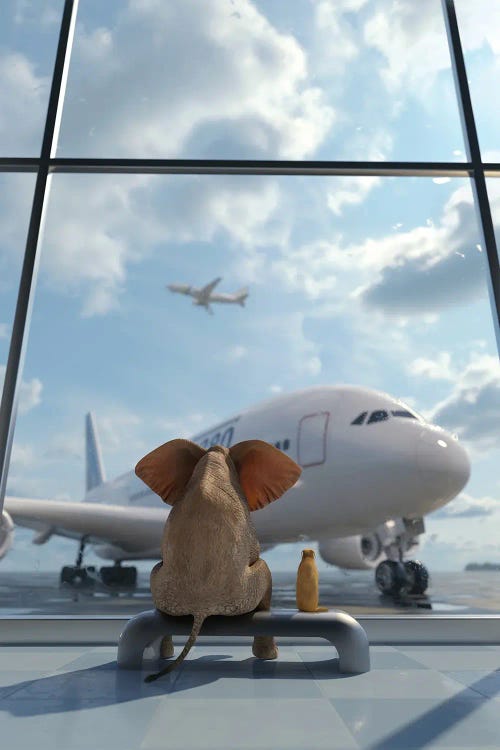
(378,282)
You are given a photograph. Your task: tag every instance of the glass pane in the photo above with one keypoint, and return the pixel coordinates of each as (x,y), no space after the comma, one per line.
(29,34)
(357,79)
(16,195)
(342,283)
(479,23)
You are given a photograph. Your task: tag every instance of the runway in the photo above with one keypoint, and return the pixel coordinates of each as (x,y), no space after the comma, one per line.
(39,593)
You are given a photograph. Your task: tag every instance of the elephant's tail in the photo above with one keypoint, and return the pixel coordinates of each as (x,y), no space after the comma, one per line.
(197,623)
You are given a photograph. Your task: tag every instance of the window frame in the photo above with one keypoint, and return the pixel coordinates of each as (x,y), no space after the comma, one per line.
(105,629)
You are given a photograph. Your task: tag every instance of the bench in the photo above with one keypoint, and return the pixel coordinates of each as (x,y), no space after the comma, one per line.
(147,629)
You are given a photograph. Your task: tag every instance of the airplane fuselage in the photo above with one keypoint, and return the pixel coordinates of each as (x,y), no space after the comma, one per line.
(357,471)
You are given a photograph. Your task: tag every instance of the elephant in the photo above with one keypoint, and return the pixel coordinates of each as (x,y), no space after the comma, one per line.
(210,551)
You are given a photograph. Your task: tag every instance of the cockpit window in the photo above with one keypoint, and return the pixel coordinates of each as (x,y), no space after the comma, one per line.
(378,416)
(403,413)
(360,419)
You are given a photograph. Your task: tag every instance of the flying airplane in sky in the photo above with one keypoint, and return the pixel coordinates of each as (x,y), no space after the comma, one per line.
(205,295)
(372,468)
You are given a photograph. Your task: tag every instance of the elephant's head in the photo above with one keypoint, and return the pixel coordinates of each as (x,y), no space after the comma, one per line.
(256,468)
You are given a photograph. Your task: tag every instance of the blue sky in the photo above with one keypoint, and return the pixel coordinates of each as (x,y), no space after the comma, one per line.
(378,282)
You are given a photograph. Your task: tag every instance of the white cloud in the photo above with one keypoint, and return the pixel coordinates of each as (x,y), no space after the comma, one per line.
(187,425)
(444,551)
(466,506)
(438,368)
(242,88)
(23,100)
(44,14)
(117,425)
(276,388)
(311,268)
(428,267)
(412,40)
(97,227)
(4,330)
(479,24)
(279,349)
(472,410)
(351,191)
(411,37)
(16,195)
(23,456)
(420,271)
(236,353)
(335,44)
(287,334)
(30,392)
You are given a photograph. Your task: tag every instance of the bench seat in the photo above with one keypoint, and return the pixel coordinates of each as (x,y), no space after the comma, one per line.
(147,629)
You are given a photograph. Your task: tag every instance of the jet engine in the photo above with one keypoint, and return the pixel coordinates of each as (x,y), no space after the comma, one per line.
(6,533)
(360,552)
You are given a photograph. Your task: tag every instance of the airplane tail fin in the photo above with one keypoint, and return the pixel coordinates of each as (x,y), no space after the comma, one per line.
(93,461)
(241,295)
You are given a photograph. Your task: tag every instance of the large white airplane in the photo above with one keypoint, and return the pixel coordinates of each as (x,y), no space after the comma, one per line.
(372,468)
(205,295)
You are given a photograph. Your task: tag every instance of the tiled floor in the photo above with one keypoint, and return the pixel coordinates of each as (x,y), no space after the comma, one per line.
(222,697)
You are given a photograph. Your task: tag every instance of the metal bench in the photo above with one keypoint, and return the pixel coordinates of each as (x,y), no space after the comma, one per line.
(147,629)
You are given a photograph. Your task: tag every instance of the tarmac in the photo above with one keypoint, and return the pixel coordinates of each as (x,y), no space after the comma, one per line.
(355,592)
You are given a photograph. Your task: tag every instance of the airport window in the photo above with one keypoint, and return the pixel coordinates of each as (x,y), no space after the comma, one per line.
(233,218)
(360,419)
(378,416)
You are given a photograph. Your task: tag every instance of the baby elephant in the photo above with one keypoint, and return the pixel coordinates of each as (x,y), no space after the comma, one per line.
(210,551)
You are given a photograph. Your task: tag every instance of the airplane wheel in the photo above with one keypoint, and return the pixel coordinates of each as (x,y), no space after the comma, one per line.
(76,576)
(417,577)
(390,577)
(115,575)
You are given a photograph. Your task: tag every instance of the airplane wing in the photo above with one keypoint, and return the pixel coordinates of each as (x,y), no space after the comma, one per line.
(130,528)
(206,290)
(179,288)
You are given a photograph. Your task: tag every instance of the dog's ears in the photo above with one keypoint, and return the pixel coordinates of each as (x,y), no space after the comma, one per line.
(168,468)
(265,472)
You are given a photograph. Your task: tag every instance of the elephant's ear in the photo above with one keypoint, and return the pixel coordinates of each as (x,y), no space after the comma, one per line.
(265,472)
(168,468)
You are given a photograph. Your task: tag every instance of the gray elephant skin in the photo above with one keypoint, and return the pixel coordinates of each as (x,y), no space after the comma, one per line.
(210,551)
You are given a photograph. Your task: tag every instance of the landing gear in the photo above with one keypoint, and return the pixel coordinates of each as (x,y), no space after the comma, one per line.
(397,578)
(390,577)
(77,575)
(417,577)
(116,575)
(85,576)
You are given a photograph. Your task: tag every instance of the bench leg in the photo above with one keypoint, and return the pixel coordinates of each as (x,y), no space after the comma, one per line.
(353,648)
(144,629)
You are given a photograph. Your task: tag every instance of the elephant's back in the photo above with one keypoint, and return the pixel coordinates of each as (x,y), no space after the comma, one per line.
(178,591)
